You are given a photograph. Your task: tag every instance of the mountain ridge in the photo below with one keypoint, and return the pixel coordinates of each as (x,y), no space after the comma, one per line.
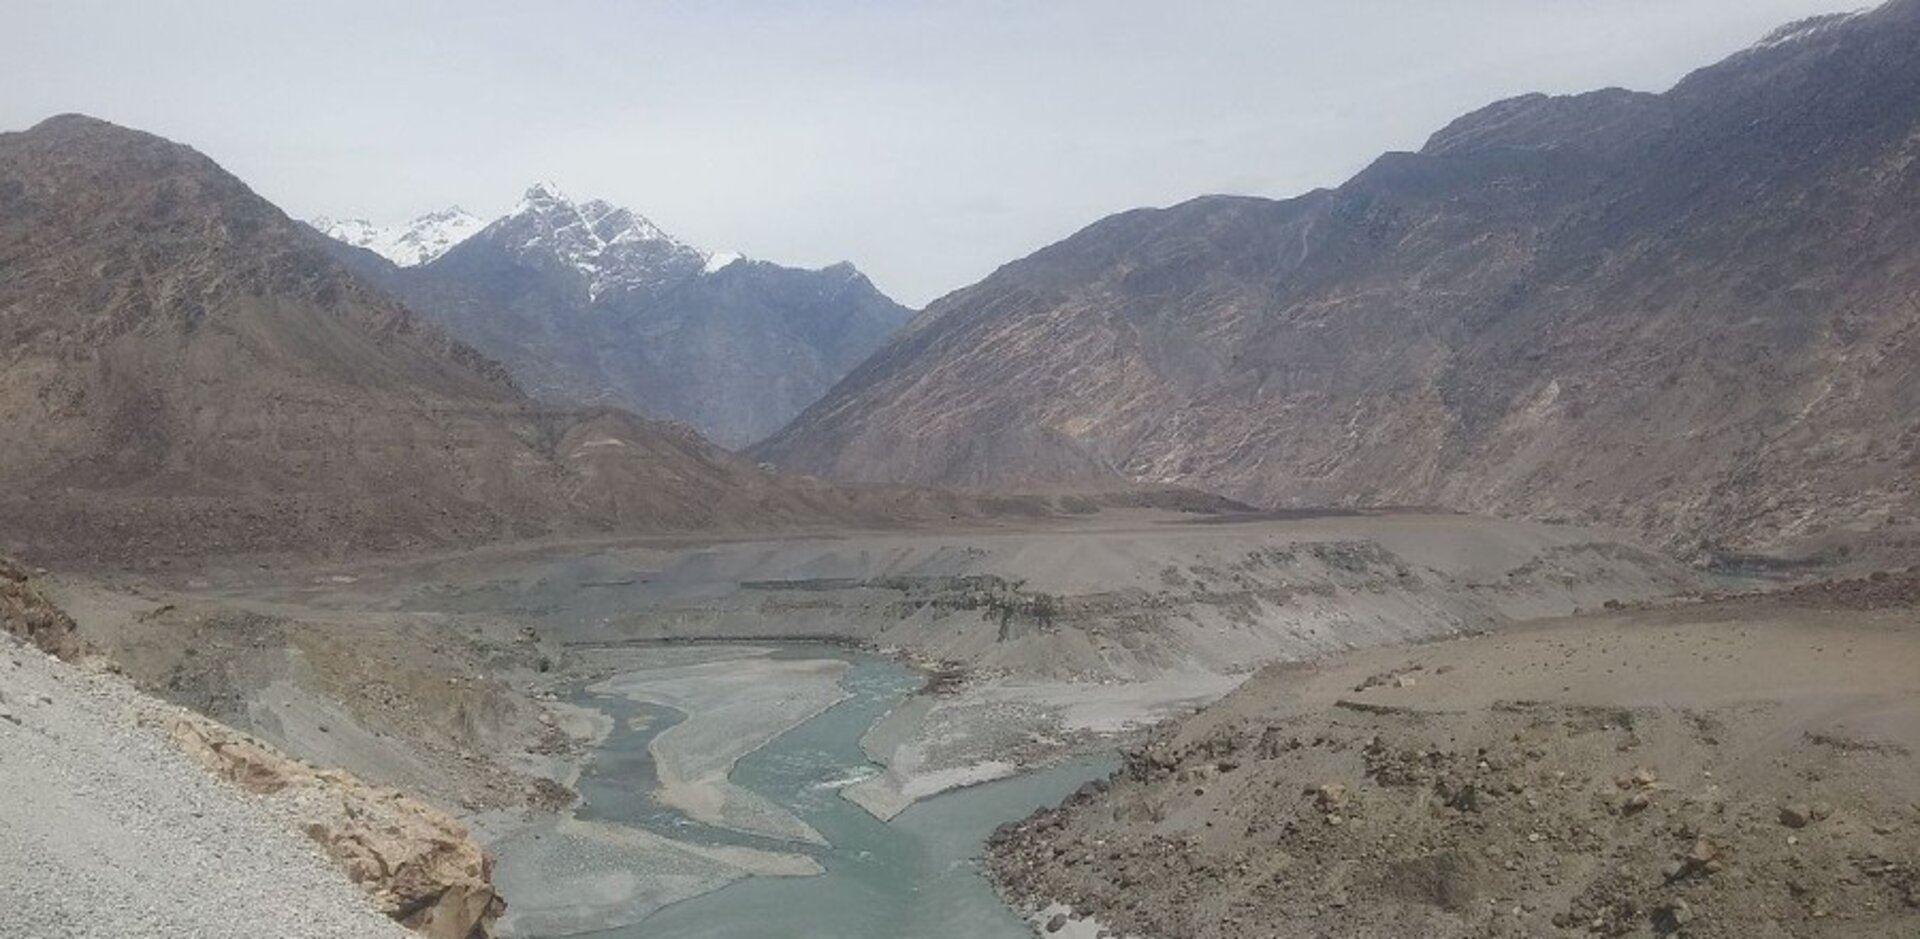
(1494,323)
(591,303)
(184,372)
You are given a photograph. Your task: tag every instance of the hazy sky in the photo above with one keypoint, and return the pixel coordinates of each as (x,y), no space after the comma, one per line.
(927,143)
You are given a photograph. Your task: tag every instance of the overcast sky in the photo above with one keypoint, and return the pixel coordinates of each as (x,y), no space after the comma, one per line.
(927,143)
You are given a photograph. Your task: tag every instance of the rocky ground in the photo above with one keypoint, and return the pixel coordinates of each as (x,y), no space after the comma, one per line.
(108,830)
(1739,767)
(110,796)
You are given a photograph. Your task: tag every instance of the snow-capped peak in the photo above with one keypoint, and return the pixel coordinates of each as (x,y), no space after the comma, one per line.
(539,195)
(415,242)
(611,247)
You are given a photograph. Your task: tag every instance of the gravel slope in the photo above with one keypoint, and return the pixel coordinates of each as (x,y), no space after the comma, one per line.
(106,830)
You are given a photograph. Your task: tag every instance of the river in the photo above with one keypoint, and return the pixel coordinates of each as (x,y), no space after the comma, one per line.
(915,877)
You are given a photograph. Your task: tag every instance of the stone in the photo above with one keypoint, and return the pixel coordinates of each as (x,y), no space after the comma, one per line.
(1331,797)
(1796,815)
(1057,922)
(1702,852)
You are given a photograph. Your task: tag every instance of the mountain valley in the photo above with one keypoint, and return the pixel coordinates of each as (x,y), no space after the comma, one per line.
(1519,539)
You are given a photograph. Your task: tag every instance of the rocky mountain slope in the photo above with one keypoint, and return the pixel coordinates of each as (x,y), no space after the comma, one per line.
(1691,313)
(589,302)
(183,371)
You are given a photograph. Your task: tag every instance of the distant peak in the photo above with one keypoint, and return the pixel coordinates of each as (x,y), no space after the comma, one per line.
(72,119)
(544,191)
(416,242)
(75,127)
(609,246)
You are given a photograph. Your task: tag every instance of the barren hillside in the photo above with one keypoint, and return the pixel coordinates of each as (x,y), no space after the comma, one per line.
(183,371)
(1690,313)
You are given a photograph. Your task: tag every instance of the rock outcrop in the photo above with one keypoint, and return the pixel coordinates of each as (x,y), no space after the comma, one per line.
(420,866)
(29,615)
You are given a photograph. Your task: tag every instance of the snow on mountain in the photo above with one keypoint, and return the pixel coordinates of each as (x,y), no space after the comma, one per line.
(1803,29)
(413,243)
(611,248)
(587,302)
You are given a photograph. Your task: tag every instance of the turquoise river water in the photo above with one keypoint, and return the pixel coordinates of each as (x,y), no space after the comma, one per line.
(916,877)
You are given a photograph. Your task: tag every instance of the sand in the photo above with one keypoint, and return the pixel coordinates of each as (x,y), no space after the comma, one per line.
(733,707)
(564,876)
(992,729)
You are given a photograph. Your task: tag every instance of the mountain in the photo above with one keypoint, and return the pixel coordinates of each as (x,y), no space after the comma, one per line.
(589,302)
(416,242)
(183,371)
(1691,313)
(598,250)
